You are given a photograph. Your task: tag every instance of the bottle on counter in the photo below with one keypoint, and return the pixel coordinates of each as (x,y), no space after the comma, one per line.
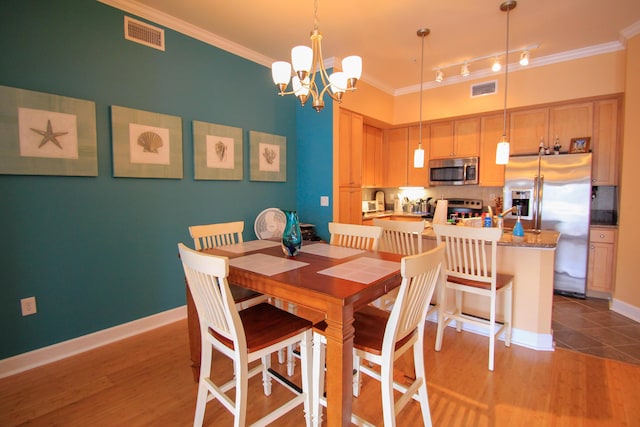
(500,222)
(486,220)
(518,231)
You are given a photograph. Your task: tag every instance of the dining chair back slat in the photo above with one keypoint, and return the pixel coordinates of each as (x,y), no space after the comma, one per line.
(214,235)
(355,236)
(400,237)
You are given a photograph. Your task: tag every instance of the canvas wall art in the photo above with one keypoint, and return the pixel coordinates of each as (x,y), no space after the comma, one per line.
(217,151)
(268,157)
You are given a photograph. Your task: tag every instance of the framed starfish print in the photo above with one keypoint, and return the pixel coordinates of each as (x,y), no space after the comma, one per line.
(268,157)
(45,134)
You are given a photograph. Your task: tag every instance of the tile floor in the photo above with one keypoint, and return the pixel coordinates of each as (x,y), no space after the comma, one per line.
(588,326)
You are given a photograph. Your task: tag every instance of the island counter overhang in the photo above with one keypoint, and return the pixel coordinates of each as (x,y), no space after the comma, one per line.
(531,262)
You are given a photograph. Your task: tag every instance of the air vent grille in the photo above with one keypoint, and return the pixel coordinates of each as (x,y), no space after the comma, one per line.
(143,33)
(482,89)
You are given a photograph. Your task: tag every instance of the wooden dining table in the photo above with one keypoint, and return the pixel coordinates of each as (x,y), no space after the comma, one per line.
(333,280)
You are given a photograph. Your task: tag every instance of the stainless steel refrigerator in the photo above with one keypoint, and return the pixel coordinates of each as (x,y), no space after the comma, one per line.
(554,193)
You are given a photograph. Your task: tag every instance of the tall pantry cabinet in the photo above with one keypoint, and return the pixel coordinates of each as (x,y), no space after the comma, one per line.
(348,158)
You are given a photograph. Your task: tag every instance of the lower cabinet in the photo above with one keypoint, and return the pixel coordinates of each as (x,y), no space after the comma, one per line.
(602,256)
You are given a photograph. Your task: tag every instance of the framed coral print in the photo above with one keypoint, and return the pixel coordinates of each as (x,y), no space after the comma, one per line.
(146,144)
(217,151)
(45,134)
(268,157)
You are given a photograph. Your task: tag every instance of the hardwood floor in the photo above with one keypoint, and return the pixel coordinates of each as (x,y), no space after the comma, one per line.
(146,381)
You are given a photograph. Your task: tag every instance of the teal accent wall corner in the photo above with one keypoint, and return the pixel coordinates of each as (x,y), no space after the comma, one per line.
(101,251)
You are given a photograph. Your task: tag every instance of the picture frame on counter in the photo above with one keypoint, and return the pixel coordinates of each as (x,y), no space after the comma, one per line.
(46,134)
(217,152)
(268,157)
(580,145)
(146,144)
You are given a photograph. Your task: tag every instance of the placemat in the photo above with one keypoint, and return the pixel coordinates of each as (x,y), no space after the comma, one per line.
(266,264)
(251,245)
(330,251)
(362,270)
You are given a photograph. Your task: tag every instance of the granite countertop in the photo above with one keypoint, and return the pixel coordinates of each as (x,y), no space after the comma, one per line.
(545,239)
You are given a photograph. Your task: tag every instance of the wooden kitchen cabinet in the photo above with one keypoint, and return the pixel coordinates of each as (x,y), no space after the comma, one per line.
(418,177)
(526,128)
(601,266)
(394,157)
(491,129)
(350,205)
(350,149)
(570,121)
(372,157)
(604,143)
(455,138)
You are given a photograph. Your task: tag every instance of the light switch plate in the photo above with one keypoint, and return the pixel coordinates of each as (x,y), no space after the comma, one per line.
(324,200)
(28,306)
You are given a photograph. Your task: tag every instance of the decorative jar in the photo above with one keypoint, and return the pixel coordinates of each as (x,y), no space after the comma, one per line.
(291,237)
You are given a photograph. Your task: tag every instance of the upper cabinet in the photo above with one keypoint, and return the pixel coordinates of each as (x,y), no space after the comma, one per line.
(570,121)
(394,157)
(491,129)
(350,149)
(526,129)
(372,157)
(454,138)
(604,143)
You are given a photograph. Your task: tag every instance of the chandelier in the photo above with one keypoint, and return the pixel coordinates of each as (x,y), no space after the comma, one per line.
(306,62)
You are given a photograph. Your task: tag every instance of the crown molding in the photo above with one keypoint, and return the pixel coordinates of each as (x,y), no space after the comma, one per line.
(135,8)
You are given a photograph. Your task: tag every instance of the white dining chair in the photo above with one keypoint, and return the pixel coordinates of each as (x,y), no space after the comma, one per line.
(209,236)
(355,236)
(472,268)
(398,237)
(244,336)
(382,337)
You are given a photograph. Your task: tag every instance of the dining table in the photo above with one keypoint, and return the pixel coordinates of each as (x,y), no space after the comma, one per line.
(334,280)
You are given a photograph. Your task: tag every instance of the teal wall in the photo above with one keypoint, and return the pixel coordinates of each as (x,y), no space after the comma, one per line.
(101,251)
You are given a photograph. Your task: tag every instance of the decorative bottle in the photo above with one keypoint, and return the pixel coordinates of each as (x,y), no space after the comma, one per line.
(518,231)
(291,237)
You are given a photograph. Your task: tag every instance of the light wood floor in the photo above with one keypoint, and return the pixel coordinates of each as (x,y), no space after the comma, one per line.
(146,380)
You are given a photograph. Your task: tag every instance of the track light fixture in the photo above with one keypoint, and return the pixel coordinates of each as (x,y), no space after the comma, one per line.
(524,58)
(439,75)
(496,65)
(464,70)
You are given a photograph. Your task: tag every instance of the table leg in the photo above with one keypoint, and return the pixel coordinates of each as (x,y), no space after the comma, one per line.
(339,389)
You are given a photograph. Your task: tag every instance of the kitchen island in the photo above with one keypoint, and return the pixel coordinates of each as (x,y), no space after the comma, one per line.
(531,262)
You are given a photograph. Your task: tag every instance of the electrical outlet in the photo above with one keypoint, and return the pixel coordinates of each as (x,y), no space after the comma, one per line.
(28,306)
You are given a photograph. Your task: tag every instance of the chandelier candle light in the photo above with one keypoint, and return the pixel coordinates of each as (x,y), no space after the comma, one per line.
(502,150)
(306,62)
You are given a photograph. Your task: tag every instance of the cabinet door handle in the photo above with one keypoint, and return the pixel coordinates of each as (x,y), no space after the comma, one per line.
(602,236)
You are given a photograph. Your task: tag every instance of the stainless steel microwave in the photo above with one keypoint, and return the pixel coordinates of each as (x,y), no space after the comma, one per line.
(459,171)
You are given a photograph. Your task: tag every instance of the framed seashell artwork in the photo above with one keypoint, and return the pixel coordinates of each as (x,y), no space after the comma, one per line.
(45,134)
(146,144)
(217,152)
(268,157)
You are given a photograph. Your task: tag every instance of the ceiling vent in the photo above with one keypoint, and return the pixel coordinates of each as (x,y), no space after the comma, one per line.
(482,89)
(140,32)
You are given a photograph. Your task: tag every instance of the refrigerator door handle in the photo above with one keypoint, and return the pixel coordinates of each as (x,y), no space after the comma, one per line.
(537,213)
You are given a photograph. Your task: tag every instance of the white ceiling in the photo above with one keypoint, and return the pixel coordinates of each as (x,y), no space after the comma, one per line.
(383,33)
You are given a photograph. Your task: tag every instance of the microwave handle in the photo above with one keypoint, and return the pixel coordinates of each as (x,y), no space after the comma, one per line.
(464,173)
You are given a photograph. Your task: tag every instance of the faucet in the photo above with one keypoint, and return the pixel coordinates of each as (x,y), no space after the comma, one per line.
(511,209)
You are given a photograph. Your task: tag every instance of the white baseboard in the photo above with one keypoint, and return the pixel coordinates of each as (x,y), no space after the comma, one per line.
(42,356)
(539,342)
(627,310)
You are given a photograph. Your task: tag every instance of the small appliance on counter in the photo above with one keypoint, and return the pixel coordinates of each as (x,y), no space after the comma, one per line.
(380,201)
(308,232)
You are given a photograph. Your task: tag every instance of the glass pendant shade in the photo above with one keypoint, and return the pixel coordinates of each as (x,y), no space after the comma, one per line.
(502,152)
(281,72)
(352,67)
(302,60)
(418,158)
(338,82)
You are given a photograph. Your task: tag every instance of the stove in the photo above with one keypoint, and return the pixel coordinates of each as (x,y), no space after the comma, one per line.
(464,208)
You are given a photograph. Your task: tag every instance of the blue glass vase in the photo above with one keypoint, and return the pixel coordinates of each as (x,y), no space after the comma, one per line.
(518,231)
(291,237)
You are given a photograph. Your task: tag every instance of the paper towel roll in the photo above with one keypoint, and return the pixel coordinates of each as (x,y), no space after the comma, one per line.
(440,216)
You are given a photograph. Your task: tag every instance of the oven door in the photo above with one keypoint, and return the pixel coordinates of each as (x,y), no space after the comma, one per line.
(463,171)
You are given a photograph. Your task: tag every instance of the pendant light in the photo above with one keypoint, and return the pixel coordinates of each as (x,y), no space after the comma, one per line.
(502,151)
(418,154)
